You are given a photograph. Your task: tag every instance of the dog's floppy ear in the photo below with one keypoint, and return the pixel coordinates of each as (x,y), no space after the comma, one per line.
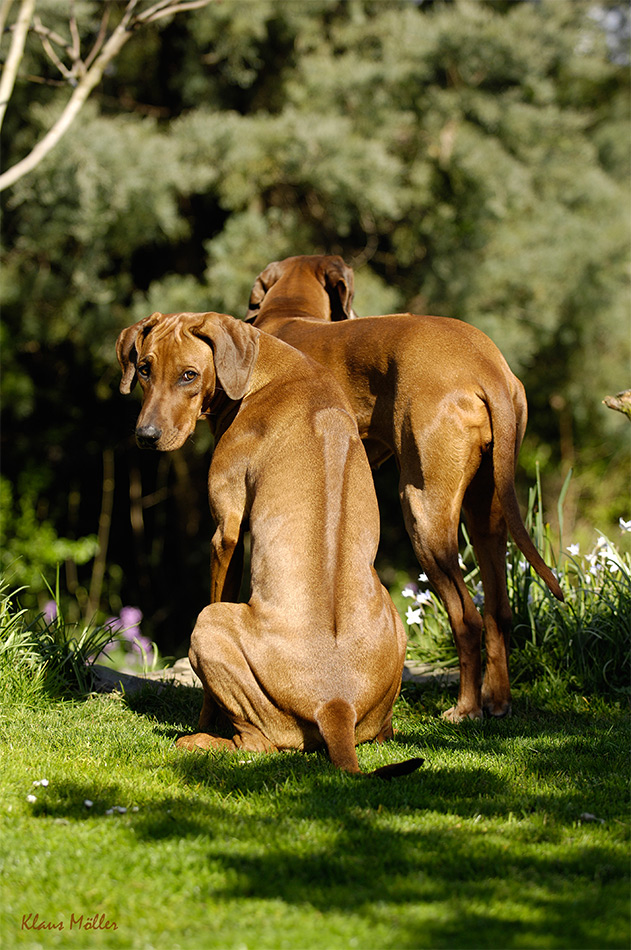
(266,279)
(339,282)
(127,349)
(235,348)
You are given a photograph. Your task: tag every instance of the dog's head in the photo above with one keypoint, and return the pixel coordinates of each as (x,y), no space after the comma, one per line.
(181,360)
(292,278)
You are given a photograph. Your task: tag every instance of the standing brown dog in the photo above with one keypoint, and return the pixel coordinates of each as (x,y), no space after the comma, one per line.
(439,396)
(317,653)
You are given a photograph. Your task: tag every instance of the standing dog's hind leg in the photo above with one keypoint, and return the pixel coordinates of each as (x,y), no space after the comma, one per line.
(488,532)
(434,536)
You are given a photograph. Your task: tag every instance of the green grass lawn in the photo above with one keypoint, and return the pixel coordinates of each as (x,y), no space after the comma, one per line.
(484,847)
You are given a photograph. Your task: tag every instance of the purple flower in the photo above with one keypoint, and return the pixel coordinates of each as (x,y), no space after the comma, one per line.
(130,634)
(130,616)
(127,624)
(478,595)
(50,611)
(142,645)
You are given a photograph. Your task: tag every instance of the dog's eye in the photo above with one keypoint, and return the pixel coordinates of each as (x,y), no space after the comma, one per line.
(189,375)
(144,370)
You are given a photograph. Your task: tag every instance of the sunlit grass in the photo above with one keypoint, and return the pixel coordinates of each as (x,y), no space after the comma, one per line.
(491,844)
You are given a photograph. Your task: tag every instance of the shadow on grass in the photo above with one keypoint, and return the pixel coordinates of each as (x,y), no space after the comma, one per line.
(480,848)
(417,851)
(171,706)
(555,766)
(414,856)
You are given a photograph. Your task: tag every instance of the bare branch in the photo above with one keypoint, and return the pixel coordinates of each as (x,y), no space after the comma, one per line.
(46,36)
(99,40)
(159,5)
(43,31)
(79,96)
(15,54)
(91,76)
(75,51)
(5,6)
(167,7)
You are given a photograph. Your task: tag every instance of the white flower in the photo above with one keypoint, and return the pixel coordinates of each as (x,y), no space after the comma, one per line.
(88,803)
(573,549)
(31,798)
(462,564)
(423,578)
(413,616)
(409,591)
(424,597)
(624,525)
(478,595)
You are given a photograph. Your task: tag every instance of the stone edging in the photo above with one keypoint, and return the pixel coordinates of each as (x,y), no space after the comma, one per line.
(108,680)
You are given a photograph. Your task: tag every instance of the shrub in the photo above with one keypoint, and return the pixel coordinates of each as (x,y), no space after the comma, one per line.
(42,653)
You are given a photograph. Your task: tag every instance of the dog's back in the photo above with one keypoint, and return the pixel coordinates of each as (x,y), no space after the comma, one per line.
(310,503)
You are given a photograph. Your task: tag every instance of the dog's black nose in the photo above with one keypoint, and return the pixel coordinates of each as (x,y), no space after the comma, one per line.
(147,436)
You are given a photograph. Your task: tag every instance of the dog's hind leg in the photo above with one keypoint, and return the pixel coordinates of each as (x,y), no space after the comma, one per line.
(431,512)
(231,694)
(488,532)
(211,717)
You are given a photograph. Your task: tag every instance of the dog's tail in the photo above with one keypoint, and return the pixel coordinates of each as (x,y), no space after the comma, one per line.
(508,432)
(336,722)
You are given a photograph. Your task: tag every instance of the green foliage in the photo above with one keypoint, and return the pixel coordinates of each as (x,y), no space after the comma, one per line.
(30,548)
(44,656)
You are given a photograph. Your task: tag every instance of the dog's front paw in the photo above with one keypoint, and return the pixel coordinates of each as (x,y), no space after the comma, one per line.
(497,710)
(197,742)
(455,714)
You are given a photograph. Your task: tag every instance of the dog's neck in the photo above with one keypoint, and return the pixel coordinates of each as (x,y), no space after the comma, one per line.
(307,301)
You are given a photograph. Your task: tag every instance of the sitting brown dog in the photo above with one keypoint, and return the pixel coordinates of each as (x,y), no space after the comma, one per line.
(439,396)
(317,653)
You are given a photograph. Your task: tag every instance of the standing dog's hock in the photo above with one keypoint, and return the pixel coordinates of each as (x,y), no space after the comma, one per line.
(316,655)
(439,396)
